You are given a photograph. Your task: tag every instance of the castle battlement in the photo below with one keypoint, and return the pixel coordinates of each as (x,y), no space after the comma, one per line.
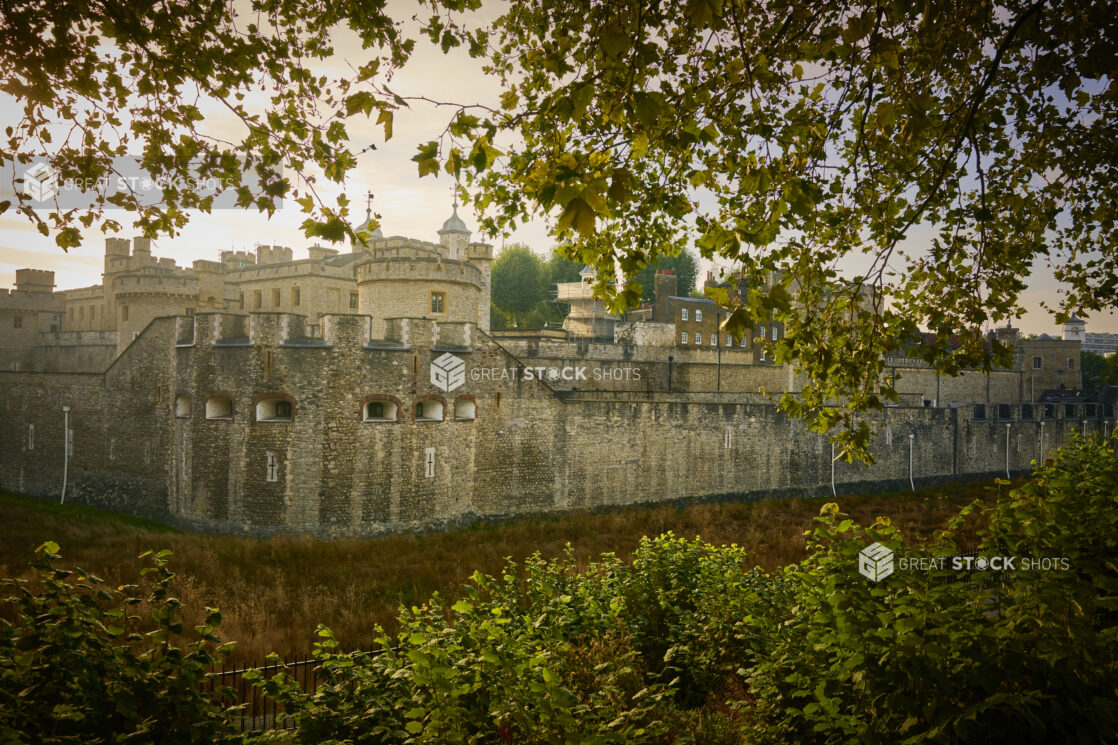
(96,292)
(420,268)
(34,280)
(257,272)
(146,284)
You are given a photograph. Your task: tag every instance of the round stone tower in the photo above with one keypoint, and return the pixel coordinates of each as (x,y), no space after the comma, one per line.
(408,278)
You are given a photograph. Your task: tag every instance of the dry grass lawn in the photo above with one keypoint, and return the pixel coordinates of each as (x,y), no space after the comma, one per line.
(273,592)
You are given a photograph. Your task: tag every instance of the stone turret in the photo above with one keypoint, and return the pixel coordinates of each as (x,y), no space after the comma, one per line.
(454,236)
(34,280)
(1075,329)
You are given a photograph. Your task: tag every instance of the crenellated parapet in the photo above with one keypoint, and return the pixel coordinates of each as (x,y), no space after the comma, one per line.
(418,269)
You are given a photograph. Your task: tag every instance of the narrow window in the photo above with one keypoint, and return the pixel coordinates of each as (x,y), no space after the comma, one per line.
(112,448)
(698,338)
(275,298)
(17,322)
(774,333)
(268,360)
(430,462)
(353,301)
(81,314)
(419,410)
(257,299)
(744,341)
(761,333)
(683,314)
(729,340)
(295,297)
(438,302)
(271,466)
(1036,363)
(30,436)
(1071,363)
(241,301)
(123,312)
(683,338)
(714,340)
(698,315)
(728,439)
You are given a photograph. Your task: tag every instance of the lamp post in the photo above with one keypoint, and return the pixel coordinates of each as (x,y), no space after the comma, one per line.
(65,449)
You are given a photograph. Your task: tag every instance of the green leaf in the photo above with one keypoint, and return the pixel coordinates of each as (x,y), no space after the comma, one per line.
(578,215)
(385,118)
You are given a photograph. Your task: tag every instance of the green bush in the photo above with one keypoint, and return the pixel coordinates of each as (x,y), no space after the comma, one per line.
(692,611)
(939,656)
(683,644)
(86,664)
(495,666)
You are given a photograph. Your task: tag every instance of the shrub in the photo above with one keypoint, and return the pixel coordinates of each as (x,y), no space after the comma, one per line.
(939,656)
(492,667)
(86,664)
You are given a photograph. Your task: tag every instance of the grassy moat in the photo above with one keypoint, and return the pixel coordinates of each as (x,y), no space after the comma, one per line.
(273,592)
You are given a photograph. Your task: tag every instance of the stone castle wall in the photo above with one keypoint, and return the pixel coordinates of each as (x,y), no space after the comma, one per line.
(143,442)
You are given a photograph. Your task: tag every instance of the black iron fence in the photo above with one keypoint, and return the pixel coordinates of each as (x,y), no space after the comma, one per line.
(261,712)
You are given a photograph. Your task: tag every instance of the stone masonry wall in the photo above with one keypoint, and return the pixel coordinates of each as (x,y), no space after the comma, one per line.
(528,449)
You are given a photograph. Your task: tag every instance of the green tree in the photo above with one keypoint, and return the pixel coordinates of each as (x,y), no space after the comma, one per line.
(788,137)
(682,264)
(519,281)
(100,81)
(1098,370)
(560,269)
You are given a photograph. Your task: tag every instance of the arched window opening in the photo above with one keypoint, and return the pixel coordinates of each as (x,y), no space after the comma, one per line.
(380,411)
(219,407)
(274,410)
(429,411)
(465,409)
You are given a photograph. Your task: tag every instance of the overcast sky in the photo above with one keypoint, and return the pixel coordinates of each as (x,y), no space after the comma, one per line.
(409,206)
